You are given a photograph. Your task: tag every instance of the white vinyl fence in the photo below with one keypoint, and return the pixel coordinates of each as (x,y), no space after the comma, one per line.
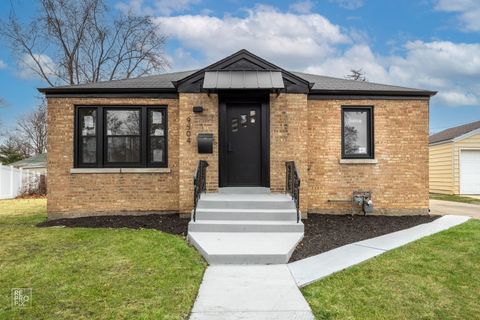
(15,181)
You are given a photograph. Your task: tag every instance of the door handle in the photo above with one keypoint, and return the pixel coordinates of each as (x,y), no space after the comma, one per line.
(229,147)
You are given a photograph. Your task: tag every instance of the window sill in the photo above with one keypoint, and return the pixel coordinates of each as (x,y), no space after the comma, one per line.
(358,161)
(120,170)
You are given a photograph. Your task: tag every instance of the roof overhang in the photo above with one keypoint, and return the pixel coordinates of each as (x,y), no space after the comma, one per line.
(413,93)
(432,144)
(467,135)
(254,79)
(74,92)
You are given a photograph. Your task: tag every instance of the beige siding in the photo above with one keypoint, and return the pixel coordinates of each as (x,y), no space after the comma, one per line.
(441,178)
(471,143)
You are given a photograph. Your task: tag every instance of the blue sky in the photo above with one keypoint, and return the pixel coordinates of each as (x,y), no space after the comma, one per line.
(429,44)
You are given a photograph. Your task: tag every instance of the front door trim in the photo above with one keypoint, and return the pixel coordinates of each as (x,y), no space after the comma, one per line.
(233,96)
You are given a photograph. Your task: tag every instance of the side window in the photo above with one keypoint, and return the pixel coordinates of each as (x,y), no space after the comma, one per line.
(156,135)
(87,143)
(357,132)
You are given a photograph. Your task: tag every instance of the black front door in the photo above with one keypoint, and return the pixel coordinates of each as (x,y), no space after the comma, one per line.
(242,147)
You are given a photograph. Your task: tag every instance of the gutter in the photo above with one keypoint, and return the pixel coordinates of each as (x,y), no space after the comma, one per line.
(416,93)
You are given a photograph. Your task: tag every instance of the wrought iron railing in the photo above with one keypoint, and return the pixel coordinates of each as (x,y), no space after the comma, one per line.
(199,184)
(292,184)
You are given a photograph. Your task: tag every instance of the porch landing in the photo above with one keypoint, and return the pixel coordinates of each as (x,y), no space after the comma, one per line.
(245,226)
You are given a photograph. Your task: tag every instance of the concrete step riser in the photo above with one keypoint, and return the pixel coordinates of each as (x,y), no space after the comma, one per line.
(225,227)
(207,204)
(252,216)
(242,258)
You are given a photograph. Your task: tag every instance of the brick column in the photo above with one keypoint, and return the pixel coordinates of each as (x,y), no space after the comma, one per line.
(289,141)
(190,125)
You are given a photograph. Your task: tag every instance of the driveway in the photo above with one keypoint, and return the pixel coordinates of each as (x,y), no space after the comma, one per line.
(440,207)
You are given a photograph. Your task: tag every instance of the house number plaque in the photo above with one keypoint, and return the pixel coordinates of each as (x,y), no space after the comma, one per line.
(189,129)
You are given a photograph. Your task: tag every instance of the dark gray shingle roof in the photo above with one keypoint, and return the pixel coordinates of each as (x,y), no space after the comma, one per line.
(37,161)
(322,84)
(161,81)
(452,133)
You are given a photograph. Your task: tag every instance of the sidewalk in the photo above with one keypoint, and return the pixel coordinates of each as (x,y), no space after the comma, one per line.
(249,292)
(311,269)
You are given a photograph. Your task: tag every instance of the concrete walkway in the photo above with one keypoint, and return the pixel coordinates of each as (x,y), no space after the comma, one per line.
(441,207)
(257,292)
(311,269)
(261,292)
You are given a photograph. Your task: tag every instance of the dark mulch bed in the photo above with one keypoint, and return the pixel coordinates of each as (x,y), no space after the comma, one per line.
(322,232)
(169,223)
(326,232)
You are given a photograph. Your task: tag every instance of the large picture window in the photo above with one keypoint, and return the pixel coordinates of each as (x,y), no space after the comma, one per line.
(357,132)
(121,137)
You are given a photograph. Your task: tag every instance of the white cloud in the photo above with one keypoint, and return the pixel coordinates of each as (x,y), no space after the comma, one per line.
(302,6)
(349,4)
(288,39)
(2,64)
(358,56)
(458,98)
(311,43)
(162,7)
(468,12)
(27,65)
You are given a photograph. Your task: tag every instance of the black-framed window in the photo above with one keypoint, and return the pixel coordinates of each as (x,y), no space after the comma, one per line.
(357,133)
(126,136)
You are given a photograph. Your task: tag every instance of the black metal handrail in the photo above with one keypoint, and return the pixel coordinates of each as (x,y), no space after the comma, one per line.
(292,184)
(199,184)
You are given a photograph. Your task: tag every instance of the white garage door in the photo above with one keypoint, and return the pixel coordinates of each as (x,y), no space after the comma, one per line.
(470,172)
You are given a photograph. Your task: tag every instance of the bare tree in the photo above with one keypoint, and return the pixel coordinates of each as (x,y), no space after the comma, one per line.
(357,75)
(31,131)
(78,41)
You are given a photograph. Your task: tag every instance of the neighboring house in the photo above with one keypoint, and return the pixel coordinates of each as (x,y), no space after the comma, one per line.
(37,163)
(455,160)
(130,146)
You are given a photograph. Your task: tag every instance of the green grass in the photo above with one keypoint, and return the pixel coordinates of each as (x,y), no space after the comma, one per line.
(452,197)
(93,273)
(434,278)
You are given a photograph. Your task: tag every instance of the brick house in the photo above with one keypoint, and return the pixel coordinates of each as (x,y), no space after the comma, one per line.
(133,146)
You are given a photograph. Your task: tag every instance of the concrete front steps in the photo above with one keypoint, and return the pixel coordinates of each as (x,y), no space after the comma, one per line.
(245,226)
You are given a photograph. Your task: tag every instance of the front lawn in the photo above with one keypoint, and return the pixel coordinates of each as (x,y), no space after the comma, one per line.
(455,198)
(434,278)
(79,273)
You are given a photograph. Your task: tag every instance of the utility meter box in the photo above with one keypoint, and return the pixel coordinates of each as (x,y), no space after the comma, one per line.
(363,200)
(205,142)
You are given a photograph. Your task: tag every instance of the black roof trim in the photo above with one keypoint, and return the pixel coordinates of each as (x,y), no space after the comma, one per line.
(372,93)
(159,95)
(364,97)
(73,90)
